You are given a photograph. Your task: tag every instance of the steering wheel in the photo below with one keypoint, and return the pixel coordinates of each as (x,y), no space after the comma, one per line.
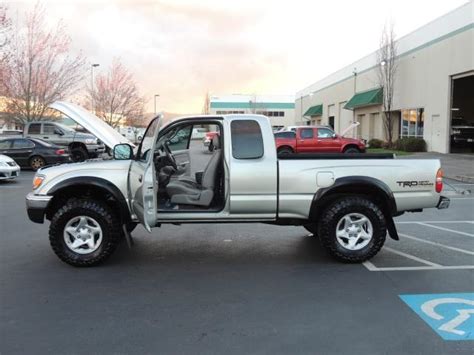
(170,157)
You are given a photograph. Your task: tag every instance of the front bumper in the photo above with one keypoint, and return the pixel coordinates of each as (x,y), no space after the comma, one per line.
(36,206)
(9,172)
(443,203)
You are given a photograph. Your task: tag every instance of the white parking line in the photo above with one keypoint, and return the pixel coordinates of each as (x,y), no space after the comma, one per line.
(468,252)
(372,267)
(447,229)
(433,222)
(412,257)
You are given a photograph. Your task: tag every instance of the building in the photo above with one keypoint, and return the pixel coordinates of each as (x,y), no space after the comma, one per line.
(280,109)
(434,85)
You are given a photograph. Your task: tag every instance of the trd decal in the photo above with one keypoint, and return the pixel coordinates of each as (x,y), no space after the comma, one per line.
(414,183)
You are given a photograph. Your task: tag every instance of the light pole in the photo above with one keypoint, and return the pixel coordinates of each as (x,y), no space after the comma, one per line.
(92,85)
(154,101)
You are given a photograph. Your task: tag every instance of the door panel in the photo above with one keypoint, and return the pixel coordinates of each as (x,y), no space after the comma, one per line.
(306,141)
(142,184)
(326,142)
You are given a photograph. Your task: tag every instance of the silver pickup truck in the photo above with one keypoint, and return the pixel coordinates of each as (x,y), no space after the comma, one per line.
(347,200)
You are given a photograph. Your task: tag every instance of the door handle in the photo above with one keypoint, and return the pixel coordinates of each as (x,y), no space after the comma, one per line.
(140,178)
(45,137)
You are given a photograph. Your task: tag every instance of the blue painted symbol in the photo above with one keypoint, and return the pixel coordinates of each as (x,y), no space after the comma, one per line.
(451,315)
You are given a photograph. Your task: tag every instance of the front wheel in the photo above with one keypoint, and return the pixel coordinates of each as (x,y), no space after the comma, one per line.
(352,229)
(284,151)
(84,232)
(352,150)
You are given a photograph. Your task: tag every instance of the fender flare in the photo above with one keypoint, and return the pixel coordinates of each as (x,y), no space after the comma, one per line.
(100,183)
(354,183)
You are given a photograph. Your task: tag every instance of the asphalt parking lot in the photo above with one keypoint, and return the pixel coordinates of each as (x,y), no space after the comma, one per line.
(238,288)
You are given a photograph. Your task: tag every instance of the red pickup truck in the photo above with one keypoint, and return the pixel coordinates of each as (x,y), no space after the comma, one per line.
(316,139)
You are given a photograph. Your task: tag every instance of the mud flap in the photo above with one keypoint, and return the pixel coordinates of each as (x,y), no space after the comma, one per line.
(392,230)
(127,236)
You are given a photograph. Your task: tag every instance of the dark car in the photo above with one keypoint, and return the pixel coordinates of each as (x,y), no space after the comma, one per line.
(33,153)
(462,133)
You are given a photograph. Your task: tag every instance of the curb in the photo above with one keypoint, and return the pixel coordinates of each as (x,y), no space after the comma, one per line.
(462,178)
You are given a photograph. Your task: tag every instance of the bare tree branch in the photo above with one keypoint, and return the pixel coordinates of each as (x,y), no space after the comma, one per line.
(115,97)
(386,74)
(39,69)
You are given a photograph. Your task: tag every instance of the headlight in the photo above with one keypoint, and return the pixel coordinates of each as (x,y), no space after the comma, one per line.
(37,181)
(91,141)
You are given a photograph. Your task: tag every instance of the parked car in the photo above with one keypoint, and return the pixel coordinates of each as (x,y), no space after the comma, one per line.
(208,139)
(33,153)
(80,145)
(316,139)
(348,201)
(9,169)
(462,133)
(199,133)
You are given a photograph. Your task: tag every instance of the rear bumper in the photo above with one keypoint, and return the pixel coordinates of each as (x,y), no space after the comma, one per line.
(36,206)
(443,203)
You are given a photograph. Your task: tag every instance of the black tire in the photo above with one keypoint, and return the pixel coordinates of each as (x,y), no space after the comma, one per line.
(36,162)
(285,151)
(335,212)
(79,154)
(100,212)
(351,150)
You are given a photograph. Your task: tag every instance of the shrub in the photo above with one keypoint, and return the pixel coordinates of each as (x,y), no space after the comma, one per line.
(411,144)
(375,143)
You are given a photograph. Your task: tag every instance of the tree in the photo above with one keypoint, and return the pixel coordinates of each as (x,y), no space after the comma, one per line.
(386,75)
(115,97)
(5,26)
(39,69)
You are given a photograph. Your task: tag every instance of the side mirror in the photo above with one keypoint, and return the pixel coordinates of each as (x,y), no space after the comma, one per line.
(123,151)
(58,132)
(334,135)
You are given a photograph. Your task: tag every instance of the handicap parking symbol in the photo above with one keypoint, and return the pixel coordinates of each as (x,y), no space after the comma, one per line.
(451,315)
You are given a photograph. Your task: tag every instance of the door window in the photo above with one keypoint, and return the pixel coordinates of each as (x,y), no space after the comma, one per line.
(50,129)
(5,144)
(147,141)
(22,144)
(34,128)
(306,133)
(325,133)
(247,141)
(180,140)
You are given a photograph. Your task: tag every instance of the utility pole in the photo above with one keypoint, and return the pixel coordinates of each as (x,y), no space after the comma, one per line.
(95,65)
(156,96)
(355,90)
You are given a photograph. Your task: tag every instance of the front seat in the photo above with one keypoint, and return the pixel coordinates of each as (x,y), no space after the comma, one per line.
(201,191)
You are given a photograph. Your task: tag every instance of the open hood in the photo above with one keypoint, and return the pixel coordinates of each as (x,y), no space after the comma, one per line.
(92,123)
(350,128)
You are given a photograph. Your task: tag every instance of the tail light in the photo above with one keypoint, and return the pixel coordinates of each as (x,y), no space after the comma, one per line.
(60,152)
(439,181)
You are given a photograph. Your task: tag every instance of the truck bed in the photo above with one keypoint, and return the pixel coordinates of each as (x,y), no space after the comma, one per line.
(336,156)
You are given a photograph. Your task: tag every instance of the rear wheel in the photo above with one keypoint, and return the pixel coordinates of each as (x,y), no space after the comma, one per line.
(285,151)
(78,154)
(352,229)
(84,232)
(37,162)
(351,150)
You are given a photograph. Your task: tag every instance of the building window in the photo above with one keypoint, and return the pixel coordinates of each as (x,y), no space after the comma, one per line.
(272,113)
(412,123)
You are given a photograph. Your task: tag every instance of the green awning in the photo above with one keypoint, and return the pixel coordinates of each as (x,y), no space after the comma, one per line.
(314,111)
(366,98)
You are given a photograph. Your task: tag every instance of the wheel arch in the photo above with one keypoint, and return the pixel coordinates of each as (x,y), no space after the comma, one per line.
(285,146)
(92,186)
(375,189)
(349,146)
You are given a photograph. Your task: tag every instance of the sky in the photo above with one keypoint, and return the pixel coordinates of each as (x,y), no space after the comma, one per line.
(181,49)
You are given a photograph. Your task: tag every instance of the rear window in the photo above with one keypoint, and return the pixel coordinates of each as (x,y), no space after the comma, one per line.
(247,141)
(289,134)
(34,128)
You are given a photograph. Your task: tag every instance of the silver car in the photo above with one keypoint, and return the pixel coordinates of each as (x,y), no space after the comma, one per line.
(8,168)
